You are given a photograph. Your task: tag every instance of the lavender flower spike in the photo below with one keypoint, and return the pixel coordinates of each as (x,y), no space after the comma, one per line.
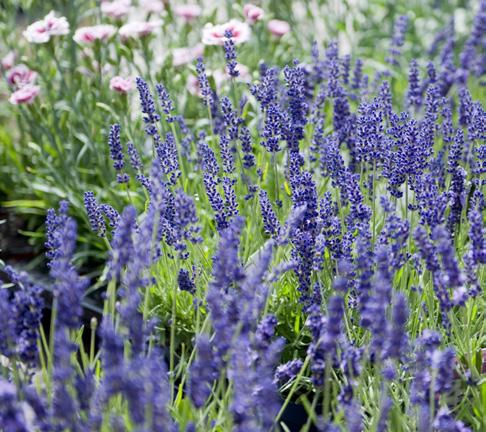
(230,54)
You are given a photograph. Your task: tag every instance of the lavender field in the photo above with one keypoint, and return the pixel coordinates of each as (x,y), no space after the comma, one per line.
(223,216)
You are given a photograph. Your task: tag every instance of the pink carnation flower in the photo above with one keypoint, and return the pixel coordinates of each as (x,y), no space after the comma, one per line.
(21,75)
(253,13)
(88,35)
(182,56)
(41,31)
(56,26)
(152,6)
(214,34)
(8,61)
(120,84)
(192,86)
(188,11)
(116,9)
(24,95)
(278,28)
(137,29)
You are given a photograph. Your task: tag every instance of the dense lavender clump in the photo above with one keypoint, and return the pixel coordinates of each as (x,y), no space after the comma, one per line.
(12,417)
(7,325)
(23,318)
(69,287)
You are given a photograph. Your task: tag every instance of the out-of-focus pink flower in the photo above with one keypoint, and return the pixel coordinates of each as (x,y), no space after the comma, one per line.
(182,56)
(244,72)
(222,76)
(24,95)
(8,61)
(21,75)
(253,13)
(192,86)
(56,26)
(88,35)
(41,31)
(37,33)
(278,28)
(120,84)
(138,29)
(188,11)
(152,6)
(214,34)
(116,9)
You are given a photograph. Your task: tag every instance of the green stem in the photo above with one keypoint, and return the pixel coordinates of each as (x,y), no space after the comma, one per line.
(94,325)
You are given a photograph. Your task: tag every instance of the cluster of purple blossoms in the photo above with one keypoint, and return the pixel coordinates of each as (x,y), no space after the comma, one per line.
(230,54)
(165,102)
(298,107)
(116,153)
(21,316)
(168,157)
(266,91)
(272,133)
(206,90)
(147,103)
